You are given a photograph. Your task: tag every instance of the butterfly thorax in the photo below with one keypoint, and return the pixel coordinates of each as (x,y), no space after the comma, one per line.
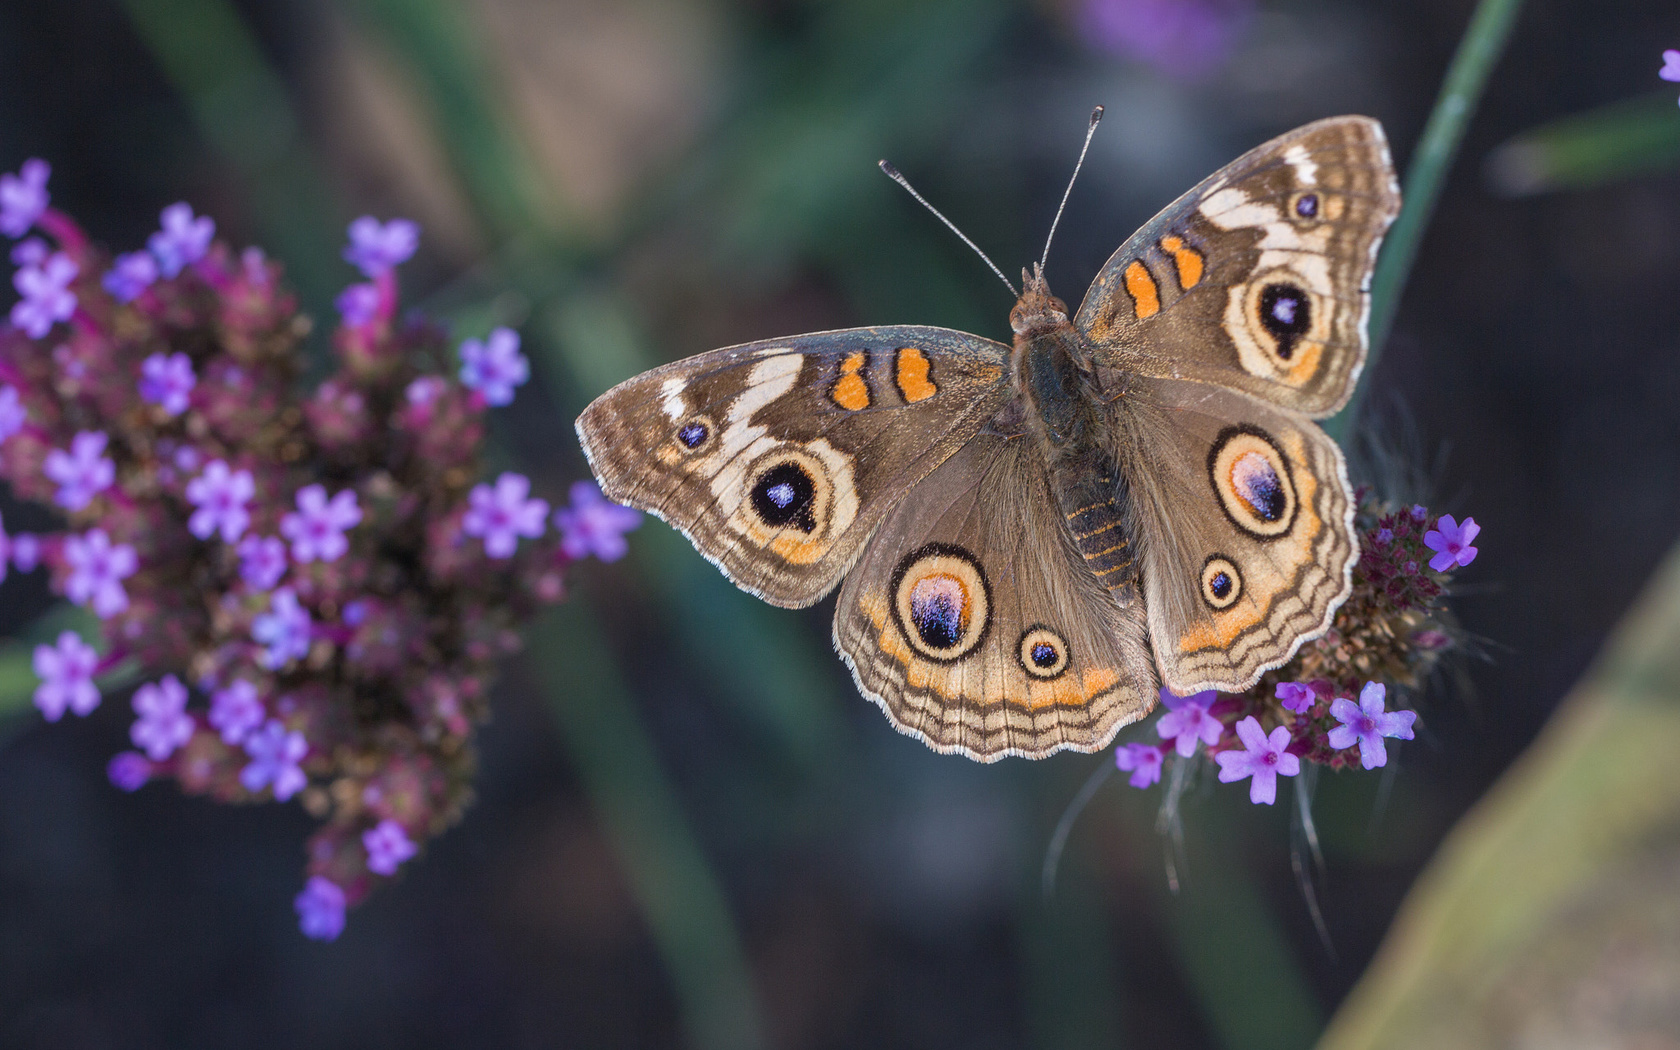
(1053,374)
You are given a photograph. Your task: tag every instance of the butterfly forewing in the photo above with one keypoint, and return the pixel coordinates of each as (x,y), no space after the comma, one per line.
(1258,279)
(777,459)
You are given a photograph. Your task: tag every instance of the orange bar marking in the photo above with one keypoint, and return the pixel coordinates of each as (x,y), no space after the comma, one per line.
(850,391)
(1146,298)
(1187,259)
(912,375)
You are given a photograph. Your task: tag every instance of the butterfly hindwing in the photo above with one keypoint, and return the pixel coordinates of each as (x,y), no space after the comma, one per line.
(1244,520)
(975,624)
(778,458)
(1258,279)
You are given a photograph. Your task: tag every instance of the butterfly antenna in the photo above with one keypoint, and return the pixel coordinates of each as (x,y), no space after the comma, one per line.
(1090,131)
(898,177)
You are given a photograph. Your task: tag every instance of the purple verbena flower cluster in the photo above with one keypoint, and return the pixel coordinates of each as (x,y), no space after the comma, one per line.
(316,583)
(1391,631)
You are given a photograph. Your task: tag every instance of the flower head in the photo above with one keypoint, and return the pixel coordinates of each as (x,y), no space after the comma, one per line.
(164,724)
(387,846)
(1143,761)
(1451,542)
(46,293)
(1366,723)
(284,631)
(317,528)
(97,569)
(83,472)
(220,495)
(23,197)
(502,514)
(129,770)
(275,752)
(236,710)
(167,379)
(594,524)
(66,672)
(1263,758)
(262,561)
(1670,70)
(494,367)
(182,240)
(130,274)
(1187,721)
(376,248)
(320,909)
(1296,697)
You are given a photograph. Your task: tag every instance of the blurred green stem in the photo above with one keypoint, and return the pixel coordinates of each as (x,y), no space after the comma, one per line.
(687,913)
(1483,43)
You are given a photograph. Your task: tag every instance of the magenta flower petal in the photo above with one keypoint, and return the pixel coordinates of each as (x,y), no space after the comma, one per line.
(1143,761)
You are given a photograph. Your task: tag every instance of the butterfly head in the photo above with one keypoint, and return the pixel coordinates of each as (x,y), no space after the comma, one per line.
(1036,310)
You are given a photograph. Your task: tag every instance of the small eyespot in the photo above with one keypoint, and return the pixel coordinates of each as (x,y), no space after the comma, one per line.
(694,433)
(1306,206)
(1221,582)
(1043,653)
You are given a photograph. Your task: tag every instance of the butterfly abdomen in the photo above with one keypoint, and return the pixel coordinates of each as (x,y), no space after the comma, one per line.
(1093,505)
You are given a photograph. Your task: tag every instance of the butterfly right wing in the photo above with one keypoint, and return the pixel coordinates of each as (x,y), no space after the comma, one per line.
(777,459)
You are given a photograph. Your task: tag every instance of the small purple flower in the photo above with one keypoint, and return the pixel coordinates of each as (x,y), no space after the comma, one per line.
(129,770)
(164,724)
(23,197)
(495,366)
(317,528)
(47,297)
(1143,761)
(97,569)
(262,561)
(1451,543)
(275,753)
(594,524)
(1385,536)
(1670,70)
(1187,721)
(83,472)
(183,239)
(26,551)
(1420,513)
(425,390)
(358,304)
(375,248)
(1296,696)
(167,380)
(12,413)
(236,710)
(387,846)
(1186,39)
(501,515)
(1367,723)
(129,275)
(66,673)
(284,630)
(220,495)
(320,909)
(1263,758)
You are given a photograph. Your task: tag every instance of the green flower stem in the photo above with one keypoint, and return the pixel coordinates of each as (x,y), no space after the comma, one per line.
(1484,41)
(613,755)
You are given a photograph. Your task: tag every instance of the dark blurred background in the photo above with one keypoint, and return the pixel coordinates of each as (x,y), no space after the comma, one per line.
(681,797)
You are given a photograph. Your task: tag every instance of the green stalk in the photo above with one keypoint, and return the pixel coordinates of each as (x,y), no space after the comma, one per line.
(687,912)
(1483,43)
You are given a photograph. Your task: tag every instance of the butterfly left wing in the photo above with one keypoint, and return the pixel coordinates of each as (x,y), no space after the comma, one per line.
(1258,278)
(1243,520)
(777,459)
(979,629)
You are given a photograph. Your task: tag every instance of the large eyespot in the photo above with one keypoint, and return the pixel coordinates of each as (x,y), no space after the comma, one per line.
(1221,582)
(1252,480)
(942,602)
(694,433)
(1286,313)
(784,496)
(1043,653)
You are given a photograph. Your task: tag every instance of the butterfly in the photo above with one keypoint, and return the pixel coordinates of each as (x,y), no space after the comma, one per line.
(1030,539)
